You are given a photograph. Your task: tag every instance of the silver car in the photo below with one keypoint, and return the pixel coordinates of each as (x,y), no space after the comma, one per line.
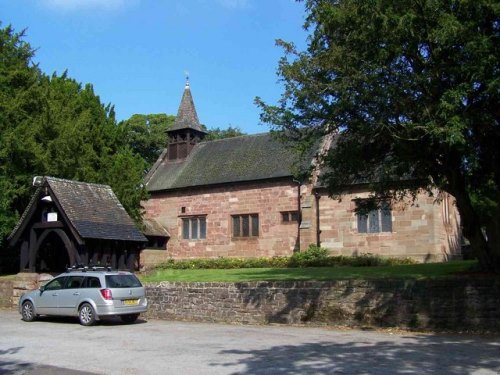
(88,294)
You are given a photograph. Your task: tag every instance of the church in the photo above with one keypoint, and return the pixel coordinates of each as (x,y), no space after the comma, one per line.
(237,197)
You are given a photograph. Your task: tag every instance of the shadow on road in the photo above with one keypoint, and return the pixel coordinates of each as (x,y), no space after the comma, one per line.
(12,367)
(423,354)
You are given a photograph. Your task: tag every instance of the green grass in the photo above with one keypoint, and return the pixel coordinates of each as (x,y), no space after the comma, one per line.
(413,271)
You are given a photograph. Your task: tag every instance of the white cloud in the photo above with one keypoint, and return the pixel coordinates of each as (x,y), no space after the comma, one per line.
(75,5)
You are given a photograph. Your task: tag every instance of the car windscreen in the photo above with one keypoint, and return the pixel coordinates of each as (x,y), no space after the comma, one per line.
(122,281)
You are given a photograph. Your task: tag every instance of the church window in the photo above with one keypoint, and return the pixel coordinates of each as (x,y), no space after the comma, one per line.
(245,225)
(289,217)
(194,228)
(375,220)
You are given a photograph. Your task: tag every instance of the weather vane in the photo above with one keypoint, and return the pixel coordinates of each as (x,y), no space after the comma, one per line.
(187,77)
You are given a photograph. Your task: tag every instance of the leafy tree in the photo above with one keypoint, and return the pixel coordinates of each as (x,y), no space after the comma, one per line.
(20,102)
(411,87)
(52,125)
(130,190)
(218,133)
(147,134)
(77,133)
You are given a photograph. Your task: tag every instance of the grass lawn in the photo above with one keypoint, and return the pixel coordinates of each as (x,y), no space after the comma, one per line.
(414,271)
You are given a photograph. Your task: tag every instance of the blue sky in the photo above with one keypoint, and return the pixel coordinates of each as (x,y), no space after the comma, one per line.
(136,52)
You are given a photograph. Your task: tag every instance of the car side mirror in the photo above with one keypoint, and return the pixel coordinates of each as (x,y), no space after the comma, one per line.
(42,288)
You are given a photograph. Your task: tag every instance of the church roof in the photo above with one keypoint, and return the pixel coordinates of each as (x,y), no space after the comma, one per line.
(92,210)
(186,115)
(238,159)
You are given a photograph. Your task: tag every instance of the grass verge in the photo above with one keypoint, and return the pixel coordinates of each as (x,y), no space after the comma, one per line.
(411,271)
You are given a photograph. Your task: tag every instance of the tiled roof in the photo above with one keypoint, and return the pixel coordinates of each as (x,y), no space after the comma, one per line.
(94,210)
(153,228)
(238,159)
(186,115)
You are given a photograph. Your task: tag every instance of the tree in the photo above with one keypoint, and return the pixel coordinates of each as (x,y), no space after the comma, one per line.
(218,133)
(409,86)
(147,134)
(20,102)
(55,126)
(130,190)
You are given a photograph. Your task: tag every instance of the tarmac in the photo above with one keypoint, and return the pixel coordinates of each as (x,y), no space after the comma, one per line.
(62,346)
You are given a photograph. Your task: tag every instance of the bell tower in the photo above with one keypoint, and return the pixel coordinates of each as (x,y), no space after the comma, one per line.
(186,131)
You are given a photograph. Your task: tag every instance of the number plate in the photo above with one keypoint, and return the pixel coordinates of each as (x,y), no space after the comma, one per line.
(130,301)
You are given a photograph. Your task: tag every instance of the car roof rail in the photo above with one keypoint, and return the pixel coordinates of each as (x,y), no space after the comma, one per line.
(82,268)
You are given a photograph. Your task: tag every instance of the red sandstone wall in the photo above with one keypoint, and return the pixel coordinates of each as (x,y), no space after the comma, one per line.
(427,230)
(267,199)
(423,230)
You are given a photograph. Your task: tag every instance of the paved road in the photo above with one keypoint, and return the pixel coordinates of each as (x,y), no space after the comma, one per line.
(62,346)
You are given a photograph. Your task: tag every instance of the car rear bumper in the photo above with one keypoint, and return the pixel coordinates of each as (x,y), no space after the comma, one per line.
(109,310)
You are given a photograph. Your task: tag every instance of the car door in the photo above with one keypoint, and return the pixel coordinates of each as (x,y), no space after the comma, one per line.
(70,295)
(48,300)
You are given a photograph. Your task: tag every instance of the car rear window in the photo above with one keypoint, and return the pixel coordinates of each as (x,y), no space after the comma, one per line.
(91,282)
(122,281)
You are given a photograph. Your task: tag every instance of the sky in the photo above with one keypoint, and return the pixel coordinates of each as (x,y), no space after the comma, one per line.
(137,53)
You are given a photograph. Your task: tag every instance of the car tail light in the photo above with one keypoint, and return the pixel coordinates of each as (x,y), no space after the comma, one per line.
(106,294)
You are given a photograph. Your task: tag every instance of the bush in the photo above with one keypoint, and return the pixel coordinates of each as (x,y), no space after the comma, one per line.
(314,256)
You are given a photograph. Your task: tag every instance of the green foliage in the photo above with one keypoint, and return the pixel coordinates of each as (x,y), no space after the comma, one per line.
(411,91)
(146,135)
(20,103)
(54,126)
(218,133)
(224,263)
(313,257)
(130,190)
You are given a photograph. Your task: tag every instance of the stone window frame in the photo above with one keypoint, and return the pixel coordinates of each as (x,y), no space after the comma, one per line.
(195,223)
(248,231)
(289,217)
(375,220)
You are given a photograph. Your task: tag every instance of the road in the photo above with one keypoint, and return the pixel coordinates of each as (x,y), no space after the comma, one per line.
(62,346)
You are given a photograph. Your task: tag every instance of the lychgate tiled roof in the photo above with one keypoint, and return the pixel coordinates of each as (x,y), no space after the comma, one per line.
(186,115)
(153,228)
(94,210)
(238,159)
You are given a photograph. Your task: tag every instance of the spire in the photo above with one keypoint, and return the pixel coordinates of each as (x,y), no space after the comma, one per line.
(186,115)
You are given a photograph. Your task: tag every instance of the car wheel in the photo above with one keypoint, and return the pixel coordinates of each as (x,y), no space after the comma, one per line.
(86,315)
(130,318)
(28,311)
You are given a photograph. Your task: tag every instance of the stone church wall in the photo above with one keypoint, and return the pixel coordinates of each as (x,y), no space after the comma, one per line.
(267,199)
(425,230)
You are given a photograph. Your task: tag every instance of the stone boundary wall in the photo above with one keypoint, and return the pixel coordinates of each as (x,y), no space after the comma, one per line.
(6,293)
(460,305)
(457,304)
(11,290)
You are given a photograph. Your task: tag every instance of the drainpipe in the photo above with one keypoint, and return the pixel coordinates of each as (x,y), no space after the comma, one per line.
(299,216)
(318,230)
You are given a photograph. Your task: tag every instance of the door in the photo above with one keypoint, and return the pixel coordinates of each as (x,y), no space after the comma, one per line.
(48,300)
(70,295)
